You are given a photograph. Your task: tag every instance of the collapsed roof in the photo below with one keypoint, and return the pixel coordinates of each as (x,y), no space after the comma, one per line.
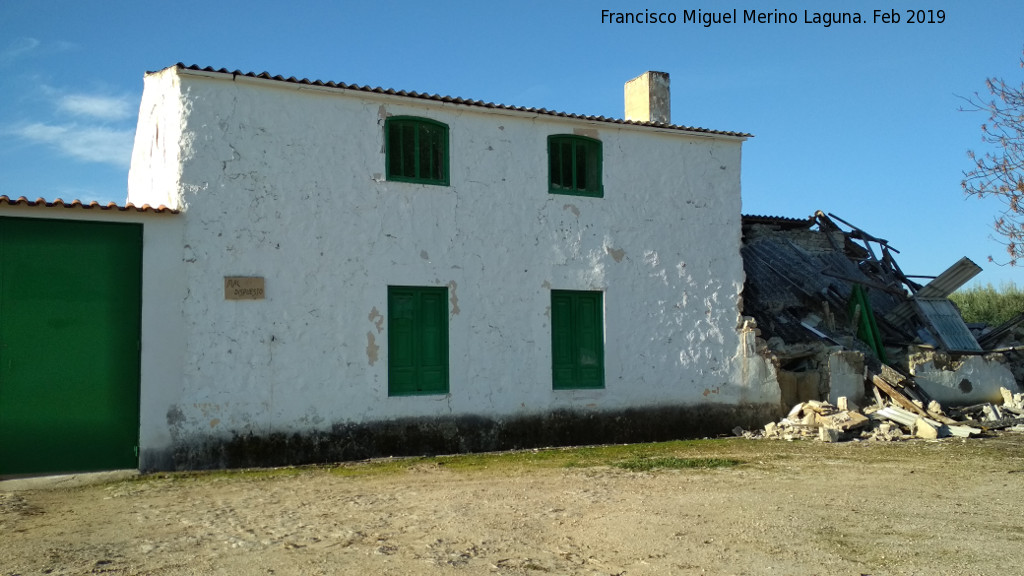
(823,279)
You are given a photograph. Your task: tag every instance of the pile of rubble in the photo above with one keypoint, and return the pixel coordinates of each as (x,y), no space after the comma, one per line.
(895,415)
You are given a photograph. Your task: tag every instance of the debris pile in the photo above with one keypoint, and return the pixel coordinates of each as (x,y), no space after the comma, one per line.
(895,415)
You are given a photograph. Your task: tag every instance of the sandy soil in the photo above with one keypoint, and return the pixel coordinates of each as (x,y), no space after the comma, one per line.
(948,507)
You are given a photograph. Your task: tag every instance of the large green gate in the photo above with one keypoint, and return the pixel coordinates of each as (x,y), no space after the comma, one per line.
(70,315)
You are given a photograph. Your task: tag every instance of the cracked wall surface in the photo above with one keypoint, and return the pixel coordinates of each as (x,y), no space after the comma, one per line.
(285,183)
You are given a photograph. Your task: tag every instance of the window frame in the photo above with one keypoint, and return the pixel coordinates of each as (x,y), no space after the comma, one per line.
(592,151)
(420,127)
(569,370)
(413,377)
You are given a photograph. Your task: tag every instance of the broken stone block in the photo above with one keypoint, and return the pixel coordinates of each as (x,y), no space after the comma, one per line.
(771,429)
(992,413)
(1007,396)
(845,421)
(795,411)
(828,434)
(1012,402)
(843,404)
(818,407)
(922,429)
(886,432)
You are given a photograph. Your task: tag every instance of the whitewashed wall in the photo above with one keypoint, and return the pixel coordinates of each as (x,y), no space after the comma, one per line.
(286,182)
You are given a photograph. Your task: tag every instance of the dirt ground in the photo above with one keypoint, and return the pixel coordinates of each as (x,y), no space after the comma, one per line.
(945,507)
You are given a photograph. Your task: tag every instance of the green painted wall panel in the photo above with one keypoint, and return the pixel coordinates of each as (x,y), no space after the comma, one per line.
(70,309)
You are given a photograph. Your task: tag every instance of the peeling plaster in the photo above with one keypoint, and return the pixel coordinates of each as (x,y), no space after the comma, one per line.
(371,348)
(617,254)
(377,318)
(572,208)
(175,417)
(454,299)
(651,258)
(588,132)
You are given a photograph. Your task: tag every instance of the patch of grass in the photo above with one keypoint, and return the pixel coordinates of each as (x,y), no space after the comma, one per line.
(228,474)
(1004,455)
(383,466)
(669,454)
(641,464)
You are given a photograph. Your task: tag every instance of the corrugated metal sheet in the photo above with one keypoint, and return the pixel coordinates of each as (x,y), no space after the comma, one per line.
(940,287)
(950,280)
(947,324)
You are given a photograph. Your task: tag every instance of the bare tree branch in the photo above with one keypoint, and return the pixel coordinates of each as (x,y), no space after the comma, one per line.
(1000,173)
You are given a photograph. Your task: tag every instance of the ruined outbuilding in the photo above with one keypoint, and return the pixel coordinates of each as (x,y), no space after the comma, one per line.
(835,311)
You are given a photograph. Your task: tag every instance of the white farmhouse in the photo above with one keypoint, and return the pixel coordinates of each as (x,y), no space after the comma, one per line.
(344,272)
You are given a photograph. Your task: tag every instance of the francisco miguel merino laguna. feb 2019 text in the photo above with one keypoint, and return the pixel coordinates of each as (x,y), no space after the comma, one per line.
(826,19)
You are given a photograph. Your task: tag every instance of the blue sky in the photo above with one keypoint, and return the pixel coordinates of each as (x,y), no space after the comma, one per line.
(860,120)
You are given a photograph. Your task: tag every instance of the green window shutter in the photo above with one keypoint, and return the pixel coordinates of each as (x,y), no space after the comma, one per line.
(401,341)
(434,341)
(416,150)
(417,340)
(574,166)
(577,339)
(590,340)
(400,148)
(562,359)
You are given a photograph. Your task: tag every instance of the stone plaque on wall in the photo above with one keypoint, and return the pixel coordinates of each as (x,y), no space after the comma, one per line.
(243,288)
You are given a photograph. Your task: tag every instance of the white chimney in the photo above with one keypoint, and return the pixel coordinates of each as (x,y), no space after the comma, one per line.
(647,98)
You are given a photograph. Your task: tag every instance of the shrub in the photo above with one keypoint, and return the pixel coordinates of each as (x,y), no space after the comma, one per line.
(987,304)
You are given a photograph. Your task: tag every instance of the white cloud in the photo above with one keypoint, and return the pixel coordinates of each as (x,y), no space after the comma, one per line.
(88,143)
(16,48)
(103,107)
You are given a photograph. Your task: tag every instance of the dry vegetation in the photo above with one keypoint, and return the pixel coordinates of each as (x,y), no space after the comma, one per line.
(700,507)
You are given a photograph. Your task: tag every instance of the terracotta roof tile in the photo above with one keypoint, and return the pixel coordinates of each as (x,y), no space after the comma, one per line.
(60,203)
(454,100)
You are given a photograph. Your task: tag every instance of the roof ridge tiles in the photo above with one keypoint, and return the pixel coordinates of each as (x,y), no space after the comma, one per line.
(459,100)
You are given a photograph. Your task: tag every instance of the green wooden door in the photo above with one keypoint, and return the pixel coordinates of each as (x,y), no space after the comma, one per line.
(70,312)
